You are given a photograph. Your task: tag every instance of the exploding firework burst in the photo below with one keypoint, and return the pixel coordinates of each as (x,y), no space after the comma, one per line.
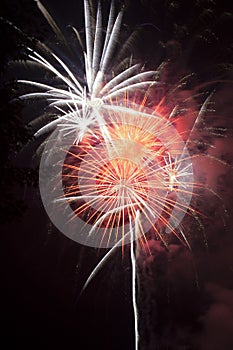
(79,103)
(122,156)
(121,162)
(142,165)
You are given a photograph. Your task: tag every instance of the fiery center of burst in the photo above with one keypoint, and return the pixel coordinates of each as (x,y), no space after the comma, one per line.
(126,170)
(121,182)
(122,186)
(116,179)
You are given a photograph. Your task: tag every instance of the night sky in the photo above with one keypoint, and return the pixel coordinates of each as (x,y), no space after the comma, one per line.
(185,299)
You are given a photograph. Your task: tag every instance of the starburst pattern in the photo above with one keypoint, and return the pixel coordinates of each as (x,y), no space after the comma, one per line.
(120,162)
(122,156)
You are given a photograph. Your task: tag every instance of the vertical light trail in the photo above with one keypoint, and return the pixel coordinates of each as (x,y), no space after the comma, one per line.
(133,232)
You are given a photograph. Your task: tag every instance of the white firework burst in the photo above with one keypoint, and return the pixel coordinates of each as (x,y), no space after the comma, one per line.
(79,104)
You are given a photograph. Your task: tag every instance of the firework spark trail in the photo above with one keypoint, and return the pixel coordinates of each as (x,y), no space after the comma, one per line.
(103,261)
(133,233)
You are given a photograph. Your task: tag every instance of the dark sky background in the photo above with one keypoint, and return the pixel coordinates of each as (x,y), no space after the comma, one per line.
(185,300)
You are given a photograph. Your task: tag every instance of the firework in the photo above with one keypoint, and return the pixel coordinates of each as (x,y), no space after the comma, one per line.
(117,166)
(122,156)
(79,103)
(140,163)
